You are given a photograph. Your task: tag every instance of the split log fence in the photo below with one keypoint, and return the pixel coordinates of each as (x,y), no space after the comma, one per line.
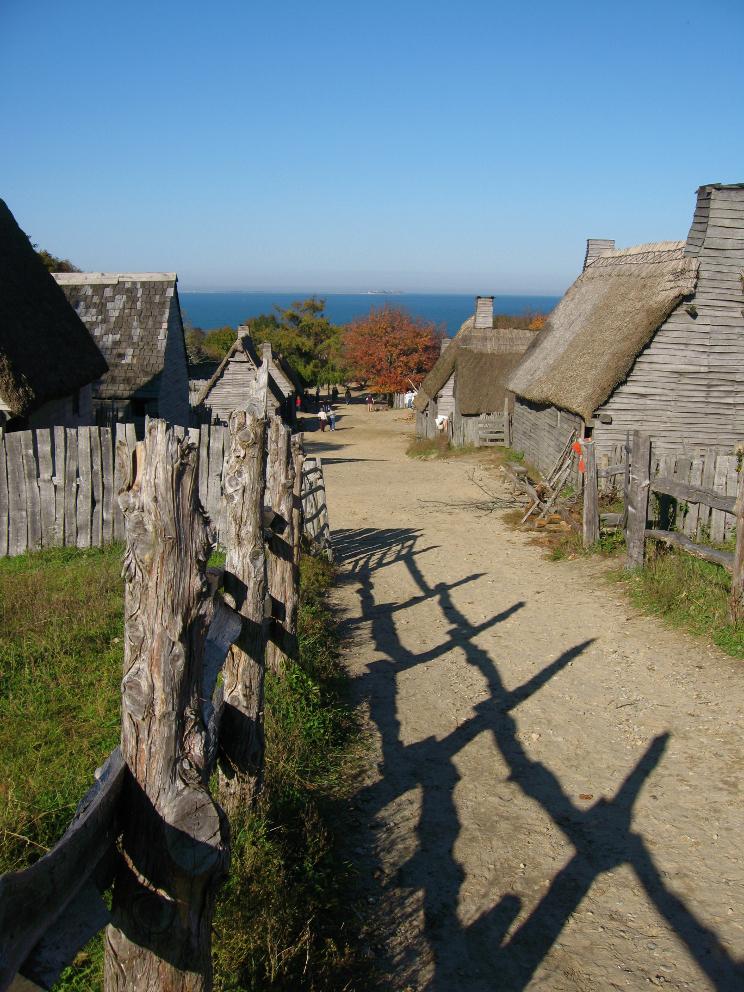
(150,829)
(58,487)
(699,504)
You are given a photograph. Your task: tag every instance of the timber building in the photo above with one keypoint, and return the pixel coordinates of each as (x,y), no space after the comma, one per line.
(463,395)
(135,319)
(48,359)
(237,385)
(649,338)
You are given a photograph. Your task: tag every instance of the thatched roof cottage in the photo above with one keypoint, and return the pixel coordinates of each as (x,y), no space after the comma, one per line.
(236,385)
(48,360)
(467,385)
(648,338)
(135,318)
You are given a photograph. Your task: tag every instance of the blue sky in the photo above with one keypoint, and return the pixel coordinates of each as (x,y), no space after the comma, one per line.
(321,145)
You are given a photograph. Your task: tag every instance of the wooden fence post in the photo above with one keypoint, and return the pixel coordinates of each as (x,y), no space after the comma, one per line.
(590,529)
(637,502)
(507,423)
(282,572)
(736,603)
(298,460)
(175,838)
(241,731)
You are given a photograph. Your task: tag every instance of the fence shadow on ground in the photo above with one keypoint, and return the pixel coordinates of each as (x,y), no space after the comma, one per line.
(480,956)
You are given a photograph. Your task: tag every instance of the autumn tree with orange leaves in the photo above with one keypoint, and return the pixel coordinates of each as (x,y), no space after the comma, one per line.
(390,349)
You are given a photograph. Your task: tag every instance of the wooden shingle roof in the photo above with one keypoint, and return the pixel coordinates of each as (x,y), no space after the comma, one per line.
(128,314)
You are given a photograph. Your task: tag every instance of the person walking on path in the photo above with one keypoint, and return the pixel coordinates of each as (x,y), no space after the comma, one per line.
(332,418)
(370,403)
(322,419)
(347,396)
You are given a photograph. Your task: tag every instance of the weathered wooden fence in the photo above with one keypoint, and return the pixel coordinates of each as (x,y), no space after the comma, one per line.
(150,826)
(699,503)
(58,486)
(314,507)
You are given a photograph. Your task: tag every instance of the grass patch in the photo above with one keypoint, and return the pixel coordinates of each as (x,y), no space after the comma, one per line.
(687,593)
(282,919)
(61,652)
(426,449)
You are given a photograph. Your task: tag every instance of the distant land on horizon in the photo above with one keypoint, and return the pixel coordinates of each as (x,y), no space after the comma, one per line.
(210,309)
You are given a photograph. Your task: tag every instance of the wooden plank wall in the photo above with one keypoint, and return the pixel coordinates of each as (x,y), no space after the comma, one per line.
(58,486)
(541,434)
(686,388)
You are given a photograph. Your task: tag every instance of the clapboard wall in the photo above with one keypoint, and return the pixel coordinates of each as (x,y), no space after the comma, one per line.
(686,388)
(58,486)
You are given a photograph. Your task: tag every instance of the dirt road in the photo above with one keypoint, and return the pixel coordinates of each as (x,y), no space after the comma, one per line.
(556,802)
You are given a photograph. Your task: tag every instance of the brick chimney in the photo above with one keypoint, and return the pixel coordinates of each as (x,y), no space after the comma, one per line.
(596,247)
(483,311)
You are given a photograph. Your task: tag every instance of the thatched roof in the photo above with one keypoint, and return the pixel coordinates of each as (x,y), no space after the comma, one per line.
(591,339)
(45,350)
(130,315)
(482,359)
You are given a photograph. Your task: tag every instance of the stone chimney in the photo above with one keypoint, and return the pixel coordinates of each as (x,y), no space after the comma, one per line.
(483,312)
(446,342)
(596,247)
(266,352)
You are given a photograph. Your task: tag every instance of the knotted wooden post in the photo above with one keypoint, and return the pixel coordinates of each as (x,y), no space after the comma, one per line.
(175,838)
(282,571)
(241,731)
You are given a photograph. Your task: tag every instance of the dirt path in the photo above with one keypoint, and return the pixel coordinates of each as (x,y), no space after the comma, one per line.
(556,802)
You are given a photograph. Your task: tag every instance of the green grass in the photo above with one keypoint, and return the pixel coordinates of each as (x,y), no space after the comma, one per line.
(282,919)
(60,664)
(687,593)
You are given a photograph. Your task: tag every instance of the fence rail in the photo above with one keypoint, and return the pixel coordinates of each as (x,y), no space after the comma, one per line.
(150,825)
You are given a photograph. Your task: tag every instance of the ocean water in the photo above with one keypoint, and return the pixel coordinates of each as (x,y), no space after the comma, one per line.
(208,310)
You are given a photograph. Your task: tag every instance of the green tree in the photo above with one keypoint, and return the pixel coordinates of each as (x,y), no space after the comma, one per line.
(54,264)
(306,338)
(218,342)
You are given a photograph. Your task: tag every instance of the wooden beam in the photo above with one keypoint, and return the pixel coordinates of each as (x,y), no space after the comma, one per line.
(33,901)
(637,501)
(676,540)
(590,521)
(692,494)
(736,601)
